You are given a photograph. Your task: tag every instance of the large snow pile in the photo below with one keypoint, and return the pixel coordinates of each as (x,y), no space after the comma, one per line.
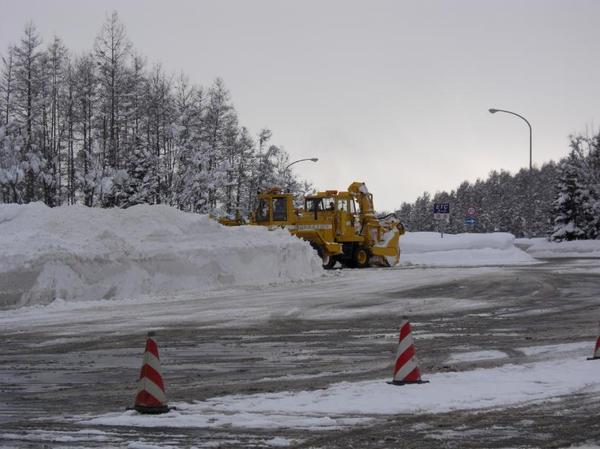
(541,247)
(80,253)
(429,248)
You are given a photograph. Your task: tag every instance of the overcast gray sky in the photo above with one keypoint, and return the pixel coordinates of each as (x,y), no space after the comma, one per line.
(393,93)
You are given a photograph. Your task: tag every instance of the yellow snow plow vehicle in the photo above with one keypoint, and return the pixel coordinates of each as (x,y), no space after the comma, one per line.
(341,226)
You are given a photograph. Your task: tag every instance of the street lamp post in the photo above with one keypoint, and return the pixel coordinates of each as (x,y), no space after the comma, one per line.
(285,170)
(493,111)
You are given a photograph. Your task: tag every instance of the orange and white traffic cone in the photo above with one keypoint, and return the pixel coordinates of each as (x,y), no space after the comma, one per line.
(596,351)
(150,397)
(406,370)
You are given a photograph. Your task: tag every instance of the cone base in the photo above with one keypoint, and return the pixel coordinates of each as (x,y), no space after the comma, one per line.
(151,410)
(593,358)
(407,382)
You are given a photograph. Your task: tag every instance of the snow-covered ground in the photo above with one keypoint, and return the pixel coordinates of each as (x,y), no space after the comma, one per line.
(541,247)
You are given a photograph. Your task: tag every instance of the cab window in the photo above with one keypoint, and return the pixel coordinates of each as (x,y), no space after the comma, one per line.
(313,204)
(342,205)
(329,203)
(279,209)
(262,211)
(352,206)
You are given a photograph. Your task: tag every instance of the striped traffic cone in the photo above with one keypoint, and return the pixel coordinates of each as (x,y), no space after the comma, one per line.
(596,351)
(406,370)
(150,397)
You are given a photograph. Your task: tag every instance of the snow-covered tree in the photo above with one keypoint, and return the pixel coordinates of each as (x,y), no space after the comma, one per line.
(243,182)
(219,120)
(28,81)
(53,101)
(111,53)
(87,163)
(190,184)
(593,177)
(586,154)
(7,86)
(257,180)
(572,195)
(12,175)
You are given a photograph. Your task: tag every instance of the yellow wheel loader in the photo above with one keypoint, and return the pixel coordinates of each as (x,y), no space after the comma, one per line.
(341,226)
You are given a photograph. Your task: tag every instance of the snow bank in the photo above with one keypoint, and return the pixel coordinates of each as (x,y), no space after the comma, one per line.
(541,247)
(428,248)
(349,403)
(80,253)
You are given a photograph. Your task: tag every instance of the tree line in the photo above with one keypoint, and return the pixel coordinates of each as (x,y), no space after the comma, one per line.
(104,129)
(559,200)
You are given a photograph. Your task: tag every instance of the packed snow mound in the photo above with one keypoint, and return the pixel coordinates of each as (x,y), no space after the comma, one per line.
(429,248)
(81,253)
(349,403)
(541,247)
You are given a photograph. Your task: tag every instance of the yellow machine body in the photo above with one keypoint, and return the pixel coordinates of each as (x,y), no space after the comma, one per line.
(341,226)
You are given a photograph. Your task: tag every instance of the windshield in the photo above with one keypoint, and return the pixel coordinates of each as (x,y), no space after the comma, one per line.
(320,204)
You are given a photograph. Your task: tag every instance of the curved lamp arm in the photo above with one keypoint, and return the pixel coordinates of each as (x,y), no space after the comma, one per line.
(493,111)
(313,159)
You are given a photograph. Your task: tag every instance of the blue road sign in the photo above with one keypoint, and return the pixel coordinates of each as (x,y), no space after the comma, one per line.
(470,221)
(441,208)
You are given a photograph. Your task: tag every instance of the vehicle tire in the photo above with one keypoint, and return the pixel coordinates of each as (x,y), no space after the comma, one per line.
(360,258)
(329,262)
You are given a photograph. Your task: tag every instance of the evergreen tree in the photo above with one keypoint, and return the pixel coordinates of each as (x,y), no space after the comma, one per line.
(570,197)
(587,153)
(140,185)
(422,213)
(593,228)
(405,216)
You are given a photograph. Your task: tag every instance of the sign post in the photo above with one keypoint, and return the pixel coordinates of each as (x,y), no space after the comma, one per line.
(441,213)
(470,218)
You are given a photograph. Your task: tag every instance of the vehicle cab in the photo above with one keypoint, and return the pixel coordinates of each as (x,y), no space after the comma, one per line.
(275,208)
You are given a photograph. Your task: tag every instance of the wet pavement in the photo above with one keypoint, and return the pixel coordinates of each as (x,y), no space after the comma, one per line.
(52,371)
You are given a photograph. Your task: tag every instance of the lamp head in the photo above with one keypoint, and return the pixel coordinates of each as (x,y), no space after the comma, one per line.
(314,159)
(493,111)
